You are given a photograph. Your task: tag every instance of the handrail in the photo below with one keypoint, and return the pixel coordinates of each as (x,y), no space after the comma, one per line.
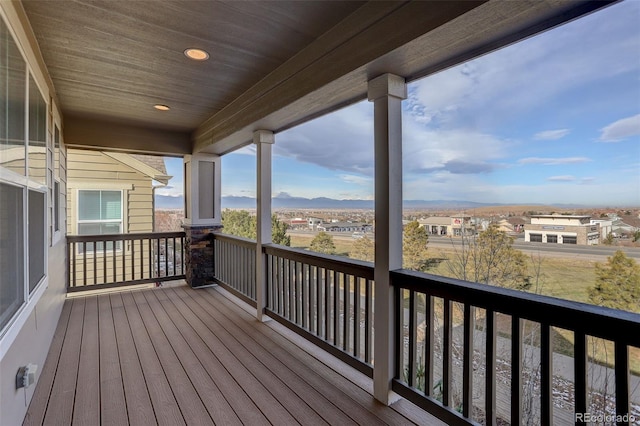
(326,299)
(584,320)
(597,321)
(349,266)
(116,260)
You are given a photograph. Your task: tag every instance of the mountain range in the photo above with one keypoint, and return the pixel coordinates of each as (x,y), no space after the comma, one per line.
(289,202)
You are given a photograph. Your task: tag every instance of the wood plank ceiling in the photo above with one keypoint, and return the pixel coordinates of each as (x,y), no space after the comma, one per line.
(272,63)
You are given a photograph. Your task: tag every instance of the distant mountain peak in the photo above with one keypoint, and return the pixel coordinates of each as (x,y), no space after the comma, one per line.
(284,200)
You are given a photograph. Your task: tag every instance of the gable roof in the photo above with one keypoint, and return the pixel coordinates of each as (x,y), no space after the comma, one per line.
(149,165)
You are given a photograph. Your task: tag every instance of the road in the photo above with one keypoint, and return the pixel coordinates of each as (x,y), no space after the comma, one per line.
(599,252)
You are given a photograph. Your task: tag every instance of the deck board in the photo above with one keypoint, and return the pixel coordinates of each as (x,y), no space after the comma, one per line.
(40,398)
(113,406)
(164,402)
(60,406)
(182,356)
(139,405)
(87,403)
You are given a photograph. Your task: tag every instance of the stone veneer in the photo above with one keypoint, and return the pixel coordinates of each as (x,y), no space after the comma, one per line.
(199,254)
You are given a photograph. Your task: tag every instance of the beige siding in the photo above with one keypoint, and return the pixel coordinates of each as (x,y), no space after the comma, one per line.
(94,170)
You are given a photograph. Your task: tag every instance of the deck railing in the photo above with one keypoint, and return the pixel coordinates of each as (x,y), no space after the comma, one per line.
(235,265)
(453,336)
(327,299)
(115,260)
(467,353)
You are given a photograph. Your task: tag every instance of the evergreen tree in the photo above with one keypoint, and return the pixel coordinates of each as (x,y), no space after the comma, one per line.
(323,243)
(363,249)
(279,232)
(414,247)
(617,283)
(241,223)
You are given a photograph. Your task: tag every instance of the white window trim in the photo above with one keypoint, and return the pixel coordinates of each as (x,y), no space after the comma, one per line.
(13,328)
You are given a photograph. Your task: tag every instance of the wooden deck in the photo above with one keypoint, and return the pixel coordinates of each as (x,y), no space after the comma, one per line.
(181,356)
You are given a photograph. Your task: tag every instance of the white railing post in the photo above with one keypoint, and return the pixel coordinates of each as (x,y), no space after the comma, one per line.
(264,141)
(386,92)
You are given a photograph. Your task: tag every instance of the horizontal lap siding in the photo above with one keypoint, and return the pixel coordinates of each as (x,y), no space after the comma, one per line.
(87,167)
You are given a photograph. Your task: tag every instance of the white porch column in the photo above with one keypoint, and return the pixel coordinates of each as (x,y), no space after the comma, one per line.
(386,92)
(264,141)
(203,216)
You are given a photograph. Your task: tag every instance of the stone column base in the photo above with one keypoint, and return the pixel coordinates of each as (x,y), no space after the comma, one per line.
(199,267)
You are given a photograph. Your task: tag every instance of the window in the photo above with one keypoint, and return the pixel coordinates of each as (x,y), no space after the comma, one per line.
(24,185)
(100,212)
(535,238)
(37,134)
(11,251)
(37,246)
(569,240)
(551,238)
(13,83)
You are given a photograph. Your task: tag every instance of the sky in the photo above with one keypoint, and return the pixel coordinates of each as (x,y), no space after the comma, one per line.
(554,119)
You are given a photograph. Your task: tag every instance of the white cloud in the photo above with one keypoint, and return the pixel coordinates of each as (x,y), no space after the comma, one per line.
(551,135)
(357,180)
(564,178)
(339,141)
(621,129)
(491,90)
(553,161)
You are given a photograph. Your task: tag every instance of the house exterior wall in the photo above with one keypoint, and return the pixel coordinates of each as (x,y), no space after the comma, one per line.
(28,336)
(93,170)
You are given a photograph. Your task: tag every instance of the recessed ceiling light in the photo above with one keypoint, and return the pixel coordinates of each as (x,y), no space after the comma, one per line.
(160,107)
(196,54)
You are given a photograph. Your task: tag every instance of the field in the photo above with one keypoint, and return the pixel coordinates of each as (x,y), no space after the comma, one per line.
(568,278)
(562,278)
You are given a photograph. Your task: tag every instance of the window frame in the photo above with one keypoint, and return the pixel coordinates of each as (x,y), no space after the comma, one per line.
(78,221)
(10,330)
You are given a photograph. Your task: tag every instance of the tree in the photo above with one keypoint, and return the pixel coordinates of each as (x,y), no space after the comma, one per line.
(279,232)
(241,223)
(617,283)
(323,243)
(609,240)
(490,258)
(414,247)
(636,236)
(363,249)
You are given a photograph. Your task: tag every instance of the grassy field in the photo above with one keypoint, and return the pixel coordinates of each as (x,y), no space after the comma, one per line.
(563,278)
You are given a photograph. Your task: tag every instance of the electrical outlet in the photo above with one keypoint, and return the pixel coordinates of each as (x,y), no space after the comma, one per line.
(26,376)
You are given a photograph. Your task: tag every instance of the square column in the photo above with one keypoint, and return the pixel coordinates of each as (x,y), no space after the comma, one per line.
(264,140)
(203,216)
(386,92)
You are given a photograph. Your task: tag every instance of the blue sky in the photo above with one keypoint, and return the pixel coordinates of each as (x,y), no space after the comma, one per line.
(553,119)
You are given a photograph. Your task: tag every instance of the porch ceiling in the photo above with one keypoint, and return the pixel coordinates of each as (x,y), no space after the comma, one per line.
(273,64)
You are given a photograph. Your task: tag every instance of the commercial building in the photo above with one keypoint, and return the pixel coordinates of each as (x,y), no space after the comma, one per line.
(451,225)
(561,229)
